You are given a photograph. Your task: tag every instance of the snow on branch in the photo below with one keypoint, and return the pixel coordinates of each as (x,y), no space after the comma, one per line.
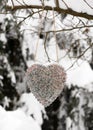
(80,8)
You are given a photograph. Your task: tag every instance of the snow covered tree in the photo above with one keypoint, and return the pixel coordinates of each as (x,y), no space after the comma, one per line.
(44,32)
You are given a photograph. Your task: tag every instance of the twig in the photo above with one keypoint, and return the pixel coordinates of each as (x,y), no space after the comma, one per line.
(55,37)
(80,56)
(69,29)
(20,3)
(29,16)
(12,4)
(88,4)
(57,3)
(45,47)
(65,4)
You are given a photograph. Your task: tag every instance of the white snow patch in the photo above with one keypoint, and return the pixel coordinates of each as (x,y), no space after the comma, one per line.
(32,107)
(12,75)
(79,74)
(17,120)
(1,77)
(28,115)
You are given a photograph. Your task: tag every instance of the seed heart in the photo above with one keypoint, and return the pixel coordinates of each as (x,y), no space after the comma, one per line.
(46,83)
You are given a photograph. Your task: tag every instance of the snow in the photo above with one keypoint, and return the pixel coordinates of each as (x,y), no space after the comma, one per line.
(16,120)
(6,102)
(1,77)
(79,74)
(28,116)
(32,107)
(12,75)
(69,123)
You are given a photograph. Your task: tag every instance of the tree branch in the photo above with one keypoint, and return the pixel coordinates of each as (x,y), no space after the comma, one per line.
(59,10)
(68,29)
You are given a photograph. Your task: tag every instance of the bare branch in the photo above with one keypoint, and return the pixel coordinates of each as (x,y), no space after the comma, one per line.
(29,16)
(78,57)
(57,3)
(45,47)
(65,3)
(85,51)
(70,29)
(59,10)
(12,3)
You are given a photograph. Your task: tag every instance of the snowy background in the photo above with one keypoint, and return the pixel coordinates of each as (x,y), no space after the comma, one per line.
(42,43)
